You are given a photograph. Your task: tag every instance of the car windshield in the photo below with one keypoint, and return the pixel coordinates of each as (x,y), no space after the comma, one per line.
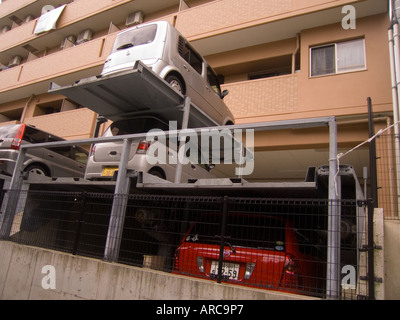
(254,231)
(132,126)
(135,37)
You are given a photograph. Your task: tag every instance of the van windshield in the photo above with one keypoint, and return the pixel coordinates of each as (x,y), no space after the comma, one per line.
(135,37)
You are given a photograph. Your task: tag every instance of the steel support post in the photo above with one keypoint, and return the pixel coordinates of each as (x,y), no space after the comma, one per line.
(372,201)
(222,242)
(333,254)
(13,196)
(118,209)
(185,121)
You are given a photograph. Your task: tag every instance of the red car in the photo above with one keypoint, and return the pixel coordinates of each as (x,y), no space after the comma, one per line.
(259,251)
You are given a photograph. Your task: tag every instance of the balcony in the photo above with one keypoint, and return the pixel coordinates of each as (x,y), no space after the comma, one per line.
(233,24)
(263,97)
(66,66)
(71,125)
(76,17)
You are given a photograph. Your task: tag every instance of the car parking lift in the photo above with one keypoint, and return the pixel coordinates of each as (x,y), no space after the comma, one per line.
(140,91)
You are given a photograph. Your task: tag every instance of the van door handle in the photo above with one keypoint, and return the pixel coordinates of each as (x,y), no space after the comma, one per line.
(50,155)
(186,68)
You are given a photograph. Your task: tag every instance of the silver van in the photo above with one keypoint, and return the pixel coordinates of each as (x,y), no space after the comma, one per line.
(65,161)
(162,48)
(105,157)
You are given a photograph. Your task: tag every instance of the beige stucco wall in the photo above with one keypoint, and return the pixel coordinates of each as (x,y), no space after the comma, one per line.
(293,96)
(301,96)
(71,125)
(241,15)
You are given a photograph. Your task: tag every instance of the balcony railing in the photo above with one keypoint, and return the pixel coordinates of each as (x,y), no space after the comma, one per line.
(262,97)
(73,124)
(84,56)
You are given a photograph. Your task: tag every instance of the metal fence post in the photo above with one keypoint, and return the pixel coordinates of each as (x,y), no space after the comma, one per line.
(185,121)
(333,254)
(13,196)
(222,243)
(118,209)
(372,202)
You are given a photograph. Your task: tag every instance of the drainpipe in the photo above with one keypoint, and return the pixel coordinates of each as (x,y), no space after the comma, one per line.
(394,52)
(295,52)
(23,115)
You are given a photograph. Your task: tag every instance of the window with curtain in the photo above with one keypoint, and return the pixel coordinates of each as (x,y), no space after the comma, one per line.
(338,57)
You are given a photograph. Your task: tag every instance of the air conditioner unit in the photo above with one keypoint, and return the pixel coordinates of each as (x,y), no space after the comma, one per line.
(134,18)
(5,29)
(85,35)
(16,60)
(68,42)
(47,8)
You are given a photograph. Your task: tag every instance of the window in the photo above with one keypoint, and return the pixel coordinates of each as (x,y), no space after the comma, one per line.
(213,81)
(135,37)
(338,58)
(191,56)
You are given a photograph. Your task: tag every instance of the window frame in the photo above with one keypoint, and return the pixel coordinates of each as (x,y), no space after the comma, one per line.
(191,56)
(336,71)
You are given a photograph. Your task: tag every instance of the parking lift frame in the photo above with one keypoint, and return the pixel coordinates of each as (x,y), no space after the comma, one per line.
(113,97)
(122,187)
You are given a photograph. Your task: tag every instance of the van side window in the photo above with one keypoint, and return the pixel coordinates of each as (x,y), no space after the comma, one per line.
(213,81)
(191,56)
(33,135)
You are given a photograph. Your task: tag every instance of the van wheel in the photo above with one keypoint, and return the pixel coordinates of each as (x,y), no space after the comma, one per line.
(175,83)
(37,169)
(158,173)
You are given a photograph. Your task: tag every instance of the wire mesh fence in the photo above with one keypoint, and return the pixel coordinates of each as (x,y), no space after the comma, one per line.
(274,244)
(388,171)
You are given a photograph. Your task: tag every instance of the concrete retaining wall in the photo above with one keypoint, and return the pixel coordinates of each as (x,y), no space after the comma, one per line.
(25,274)
(392,259)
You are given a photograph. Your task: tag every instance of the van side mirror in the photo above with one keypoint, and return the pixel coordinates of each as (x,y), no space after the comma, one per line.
(224,93)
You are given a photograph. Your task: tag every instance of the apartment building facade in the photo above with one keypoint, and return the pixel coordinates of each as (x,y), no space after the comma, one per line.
(279,59)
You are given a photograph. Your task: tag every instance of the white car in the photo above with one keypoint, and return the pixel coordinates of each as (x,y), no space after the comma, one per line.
(65,161)
(105,157)
(162,48)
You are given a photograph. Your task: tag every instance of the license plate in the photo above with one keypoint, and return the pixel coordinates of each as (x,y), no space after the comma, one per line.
(229,270)
(109,172)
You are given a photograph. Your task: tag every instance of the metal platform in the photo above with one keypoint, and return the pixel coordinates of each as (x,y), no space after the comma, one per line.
(134,92)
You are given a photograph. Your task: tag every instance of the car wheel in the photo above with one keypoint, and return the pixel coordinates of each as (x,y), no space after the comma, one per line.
(175,83)
(158,173)
(37,169)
